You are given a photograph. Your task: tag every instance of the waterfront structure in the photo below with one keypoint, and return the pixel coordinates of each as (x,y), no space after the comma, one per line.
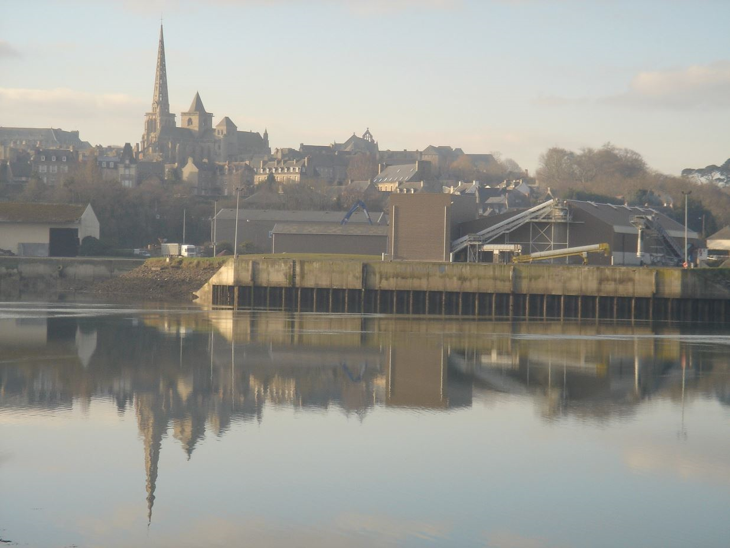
(196,137)
(256,225)
(330,238)
(422,226)
(636,235)
(475,290)
(45,230)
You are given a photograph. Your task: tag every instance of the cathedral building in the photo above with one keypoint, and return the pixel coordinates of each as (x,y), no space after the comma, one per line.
(196,137)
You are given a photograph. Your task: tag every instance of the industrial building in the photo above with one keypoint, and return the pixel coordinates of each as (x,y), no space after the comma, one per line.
(635,235)
(330,238)
(256,225)
(422,225)
(45,230)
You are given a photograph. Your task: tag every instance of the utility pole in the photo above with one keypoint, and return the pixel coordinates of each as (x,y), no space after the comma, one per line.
(215,226)
(235,236)
(184,218)
(686,194)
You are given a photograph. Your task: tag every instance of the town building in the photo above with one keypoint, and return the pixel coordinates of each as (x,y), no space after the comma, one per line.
(196,137)
(405,178)
(29,139)
(45,230)
(53,165)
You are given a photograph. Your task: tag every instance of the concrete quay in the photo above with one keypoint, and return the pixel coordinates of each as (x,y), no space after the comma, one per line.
(474,290)
(23,276)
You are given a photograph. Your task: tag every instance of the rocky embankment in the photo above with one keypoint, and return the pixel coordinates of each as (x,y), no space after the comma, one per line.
(160,280)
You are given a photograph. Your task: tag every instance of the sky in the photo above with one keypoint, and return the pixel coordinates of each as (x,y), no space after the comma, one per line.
(510,76)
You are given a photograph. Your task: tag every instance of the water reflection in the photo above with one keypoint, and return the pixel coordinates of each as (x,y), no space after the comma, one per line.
(194,375)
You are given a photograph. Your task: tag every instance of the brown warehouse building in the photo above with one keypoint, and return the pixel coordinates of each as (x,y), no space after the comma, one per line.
(350,239)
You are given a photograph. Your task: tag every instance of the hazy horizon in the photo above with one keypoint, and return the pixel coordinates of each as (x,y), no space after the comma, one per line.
(511,76)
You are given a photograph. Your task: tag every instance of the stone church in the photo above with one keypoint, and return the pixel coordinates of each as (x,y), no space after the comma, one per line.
(196,137)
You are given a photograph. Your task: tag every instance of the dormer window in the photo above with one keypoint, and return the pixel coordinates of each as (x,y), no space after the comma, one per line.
(53,158)
(43,158)
(63,158)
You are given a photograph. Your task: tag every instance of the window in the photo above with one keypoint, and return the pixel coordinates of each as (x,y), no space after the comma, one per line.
(43,158)
(53,158)
(64,169)
(63,158)
(42,169)
(111,165)
(103,164)
(54,169)
(190,121)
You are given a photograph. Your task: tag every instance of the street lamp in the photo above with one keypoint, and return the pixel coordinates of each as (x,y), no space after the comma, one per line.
(235,237)
(686,194)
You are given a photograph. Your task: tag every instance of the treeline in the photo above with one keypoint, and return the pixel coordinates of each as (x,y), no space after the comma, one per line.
(619,175)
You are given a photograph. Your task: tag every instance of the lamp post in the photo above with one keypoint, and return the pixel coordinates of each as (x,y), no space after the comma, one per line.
(686,194)
(235,236)
(235,252)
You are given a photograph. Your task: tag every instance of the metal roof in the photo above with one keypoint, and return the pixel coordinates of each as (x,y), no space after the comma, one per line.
(284,216)
(330,229)
(17,212)
(723,234)
(619,217)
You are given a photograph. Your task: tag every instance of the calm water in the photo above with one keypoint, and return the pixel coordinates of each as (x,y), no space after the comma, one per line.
(130,427)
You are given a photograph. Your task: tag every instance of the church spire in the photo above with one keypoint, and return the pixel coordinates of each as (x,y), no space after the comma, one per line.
(160,100)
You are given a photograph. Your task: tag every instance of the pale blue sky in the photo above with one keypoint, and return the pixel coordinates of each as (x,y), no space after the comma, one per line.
(490,75)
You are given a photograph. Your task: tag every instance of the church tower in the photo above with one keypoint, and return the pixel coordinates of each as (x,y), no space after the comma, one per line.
(197,119)
(160,116)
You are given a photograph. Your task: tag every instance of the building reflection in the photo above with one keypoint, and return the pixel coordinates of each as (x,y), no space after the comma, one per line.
(194,375)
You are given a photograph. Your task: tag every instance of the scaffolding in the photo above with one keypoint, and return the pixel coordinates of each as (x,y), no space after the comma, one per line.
(654,245)
(543,236)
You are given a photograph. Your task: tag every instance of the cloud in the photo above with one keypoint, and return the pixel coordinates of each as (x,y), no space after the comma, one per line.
(7,51)
(68,103)
(704,87)
(698,86)
(103,118)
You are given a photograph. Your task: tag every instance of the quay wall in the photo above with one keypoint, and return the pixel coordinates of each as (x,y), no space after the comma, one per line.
(464,289)
(28,276)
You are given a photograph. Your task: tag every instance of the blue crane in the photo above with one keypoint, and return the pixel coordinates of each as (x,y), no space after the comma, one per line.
(358,205)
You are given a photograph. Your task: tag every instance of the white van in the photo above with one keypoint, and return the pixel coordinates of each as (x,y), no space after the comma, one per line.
(188,251)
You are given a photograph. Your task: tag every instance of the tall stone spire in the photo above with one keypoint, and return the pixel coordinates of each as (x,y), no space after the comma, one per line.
(160,100)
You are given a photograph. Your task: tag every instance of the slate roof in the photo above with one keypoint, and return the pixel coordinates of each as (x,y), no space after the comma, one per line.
(397,174)
(197,104)
(227,123)
(330,229)
(48,136)
(19,212)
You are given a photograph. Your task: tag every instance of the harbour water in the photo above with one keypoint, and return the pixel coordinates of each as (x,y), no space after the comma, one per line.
(141,426)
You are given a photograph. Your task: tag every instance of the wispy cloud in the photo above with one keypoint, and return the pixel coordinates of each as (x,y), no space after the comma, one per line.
(695,87)
(698,86)
(69,103)
(103,118)
(6,50)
